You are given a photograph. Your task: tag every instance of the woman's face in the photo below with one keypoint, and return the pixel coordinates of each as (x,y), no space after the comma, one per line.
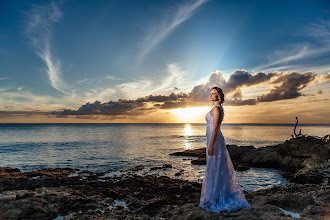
(213,95)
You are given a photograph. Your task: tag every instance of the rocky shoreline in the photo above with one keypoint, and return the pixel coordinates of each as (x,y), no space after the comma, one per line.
(303,160)
(65,193)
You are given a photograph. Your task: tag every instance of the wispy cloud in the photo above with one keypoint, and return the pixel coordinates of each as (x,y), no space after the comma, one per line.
(100,94)
(30,100)
(40,19)
(112,77)
(298,53)
(81,81)
(316,43)
(174,76)
(319,30)
(159,32)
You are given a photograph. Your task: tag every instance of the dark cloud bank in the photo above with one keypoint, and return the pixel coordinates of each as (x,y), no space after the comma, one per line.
(285,86)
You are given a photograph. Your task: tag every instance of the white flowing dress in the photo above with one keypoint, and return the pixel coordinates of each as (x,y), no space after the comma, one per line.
(220,188)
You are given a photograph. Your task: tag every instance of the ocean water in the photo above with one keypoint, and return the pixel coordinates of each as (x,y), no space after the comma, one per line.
(112,148)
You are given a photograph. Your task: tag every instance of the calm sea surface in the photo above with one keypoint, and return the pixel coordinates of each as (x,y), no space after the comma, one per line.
(116,147)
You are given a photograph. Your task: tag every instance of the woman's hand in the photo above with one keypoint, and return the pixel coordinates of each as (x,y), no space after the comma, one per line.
(210,151)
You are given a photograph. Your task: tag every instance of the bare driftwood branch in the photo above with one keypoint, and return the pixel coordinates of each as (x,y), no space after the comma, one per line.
(294,131)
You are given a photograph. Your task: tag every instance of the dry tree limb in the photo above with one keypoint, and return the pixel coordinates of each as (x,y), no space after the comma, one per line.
(294,130)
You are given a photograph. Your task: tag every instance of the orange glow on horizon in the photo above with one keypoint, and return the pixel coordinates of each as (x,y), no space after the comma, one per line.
(189,115)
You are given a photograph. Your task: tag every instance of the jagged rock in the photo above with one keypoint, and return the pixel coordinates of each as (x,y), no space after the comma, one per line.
(145,197)
(50,193)
(303,159)
(310,201)
(167,166)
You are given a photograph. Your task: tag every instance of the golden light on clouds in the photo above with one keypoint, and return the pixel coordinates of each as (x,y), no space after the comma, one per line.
(253,100)
(255,91)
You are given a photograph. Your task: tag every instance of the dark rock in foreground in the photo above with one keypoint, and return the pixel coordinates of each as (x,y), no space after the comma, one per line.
(303,159)
(309,201)
(48,193)
(74,194)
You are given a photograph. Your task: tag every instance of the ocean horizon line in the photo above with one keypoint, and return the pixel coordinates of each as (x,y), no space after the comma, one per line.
(98,123)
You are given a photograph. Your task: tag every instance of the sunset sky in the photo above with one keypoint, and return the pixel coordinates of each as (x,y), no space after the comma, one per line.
(128,61)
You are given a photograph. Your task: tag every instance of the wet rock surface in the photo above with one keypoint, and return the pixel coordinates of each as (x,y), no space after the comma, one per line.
(66,193)
(59,193)
(48,193)
(307,200)
(303,159)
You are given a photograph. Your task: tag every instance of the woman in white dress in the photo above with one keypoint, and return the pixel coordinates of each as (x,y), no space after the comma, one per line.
(220,188)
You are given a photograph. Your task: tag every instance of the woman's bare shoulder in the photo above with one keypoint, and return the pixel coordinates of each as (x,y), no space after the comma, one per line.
(215,110)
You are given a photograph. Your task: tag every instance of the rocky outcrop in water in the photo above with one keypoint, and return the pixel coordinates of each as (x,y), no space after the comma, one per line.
(303,159)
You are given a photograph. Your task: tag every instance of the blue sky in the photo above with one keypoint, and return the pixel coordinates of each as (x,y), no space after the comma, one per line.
(63,54)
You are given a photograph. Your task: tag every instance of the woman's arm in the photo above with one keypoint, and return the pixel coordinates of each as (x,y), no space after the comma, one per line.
(216,120)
